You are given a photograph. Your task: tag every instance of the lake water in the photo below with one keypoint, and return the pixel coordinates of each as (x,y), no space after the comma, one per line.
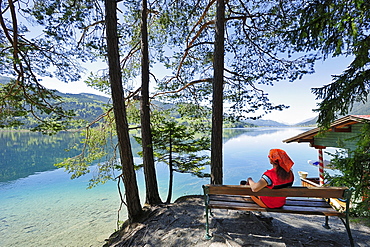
(42,206)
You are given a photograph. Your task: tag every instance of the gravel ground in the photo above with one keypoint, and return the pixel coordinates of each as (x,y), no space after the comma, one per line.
(183,224)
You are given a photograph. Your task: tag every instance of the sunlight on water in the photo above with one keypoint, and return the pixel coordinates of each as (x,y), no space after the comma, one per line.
(49,209)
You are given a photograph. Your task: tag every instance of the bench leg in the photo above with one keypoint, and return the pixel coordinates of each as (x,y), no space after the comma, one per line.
(326,224)
(346,224)
(207,236)
(347,196)
(207,209)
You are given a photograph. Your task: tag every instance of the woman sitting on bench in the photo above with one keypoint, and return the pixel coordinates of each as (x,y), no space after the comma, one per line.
(280,176)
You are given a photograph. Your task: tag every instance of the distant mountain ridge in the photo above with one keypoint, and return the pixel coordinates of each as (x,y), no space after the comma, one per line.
(4,79)
(310,122)
(85,97)
(89,106)
(86,106)
(265,123)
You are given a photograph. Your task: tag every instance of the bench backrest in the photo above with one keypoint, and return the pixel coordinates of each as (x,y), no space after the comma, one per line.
(294,191)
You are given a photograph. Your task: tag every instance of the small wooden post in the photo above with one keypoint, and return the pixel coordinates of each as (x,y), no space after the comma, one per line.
(321,167)
(321,163)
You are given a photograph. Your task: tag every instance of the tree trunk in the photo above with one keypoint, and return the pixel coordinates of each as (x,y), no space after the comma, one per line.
(152,195)
(170,183)
(217,103)
(129,177)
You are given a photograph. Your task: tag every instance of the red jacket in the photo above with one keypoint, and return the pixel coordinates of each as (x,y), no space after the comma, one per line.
(274,182)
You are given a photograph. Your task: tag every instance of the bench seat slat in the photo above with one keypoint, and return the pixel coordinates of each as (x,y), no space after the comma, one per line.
(247,198)
(307,203)
(250,206)
(290,202)
(230,198)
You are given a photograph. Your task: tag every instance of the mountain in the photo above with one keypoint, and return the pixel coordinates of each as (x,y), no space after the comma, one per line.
(309,122)
(4,80)
(87,97)
(360,108)
(265,123)
(87,107)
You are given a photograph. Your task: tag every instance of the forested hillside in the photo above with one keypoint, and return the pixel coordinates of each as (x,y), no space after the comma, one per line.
(87,107)
(265,123)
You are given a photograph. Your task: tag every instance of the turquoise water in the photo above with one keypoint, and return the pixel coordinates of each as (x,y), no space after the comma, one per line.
(49,209)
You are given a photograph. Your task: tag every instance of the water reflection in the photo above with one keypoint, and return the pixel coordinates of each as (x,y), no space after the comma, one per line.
(23,153)
(229,134)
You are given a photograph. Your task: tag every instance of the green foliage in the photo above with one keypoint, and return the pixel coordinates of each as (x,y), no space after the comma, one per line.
(98,83)
(178,145)
(181,143)
(100,144)
(192,115)
(355,172)
(98,147)
(74,24)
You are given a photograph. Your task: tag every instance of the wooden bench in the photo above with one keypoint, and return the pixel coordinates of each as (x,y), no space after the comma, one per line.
(302,200)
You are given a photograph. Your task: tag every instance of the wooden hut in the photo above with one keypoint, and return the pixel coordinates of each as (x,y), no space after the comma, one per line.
(339,135)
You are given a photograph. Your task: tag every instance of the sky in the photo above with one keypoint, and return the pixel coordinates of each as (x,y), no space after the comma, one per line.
(296,94)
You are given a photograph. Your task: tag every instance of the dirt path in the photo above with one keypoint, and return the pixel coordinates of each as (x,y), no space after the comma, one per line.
(183,224)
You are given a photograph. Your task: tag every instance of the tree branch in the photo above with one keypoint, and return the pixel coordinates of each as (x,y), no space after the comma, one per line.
(186,86)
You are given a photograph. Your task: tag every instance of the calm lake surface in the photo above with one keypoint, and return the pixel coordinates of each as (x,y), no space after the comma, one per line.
(42,206)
